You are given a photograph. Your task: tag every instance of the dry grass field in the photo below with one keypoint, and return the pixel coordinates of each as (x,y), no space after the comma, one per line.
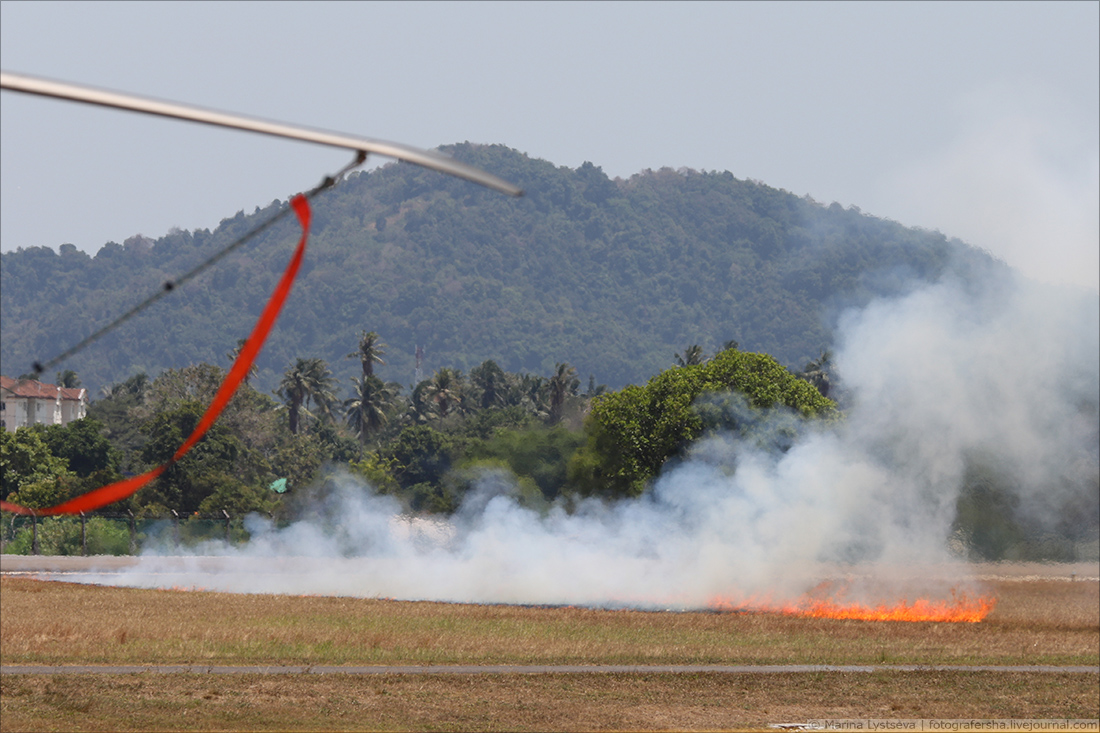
(563,702)
(1036,621)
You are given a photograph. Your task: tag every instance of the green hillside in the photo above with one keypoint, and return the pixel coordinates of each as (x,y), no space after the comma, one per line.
(611,276)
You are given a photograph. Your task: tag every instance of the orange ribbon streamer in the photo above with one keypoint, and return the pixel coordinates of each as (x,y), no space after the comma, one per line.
(121,489)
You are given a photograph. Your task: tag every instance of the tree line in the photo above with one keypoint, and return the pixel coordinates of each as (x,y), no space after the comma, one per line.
(426,445)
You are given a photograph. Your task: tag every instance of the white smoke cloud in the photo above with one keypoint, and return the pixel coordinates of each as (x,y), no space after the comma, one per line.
(1009,369)
(1020,178)
(1011,372)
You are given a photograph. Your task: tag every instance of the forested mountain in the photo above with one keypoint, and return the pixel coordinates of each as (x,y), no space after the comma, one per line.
(611,276)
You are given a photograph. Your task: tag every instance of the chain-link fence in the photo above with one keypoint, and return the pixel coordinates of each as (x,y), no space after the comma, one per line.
(116,534)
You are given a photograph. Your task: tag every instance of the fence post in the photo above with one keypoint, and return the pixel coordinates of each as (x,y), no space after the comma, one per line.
(226,526)
(83,535)
(176,526)
(133,532)
(34,537)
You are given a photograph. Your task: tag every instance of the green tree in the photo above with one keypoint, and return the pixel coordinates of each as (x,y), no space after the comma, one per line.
(299,458)
(420,457)
(377,471)
(369,353)
(82,444)
(333,442)
(633,432)
(224,492)
(422,454)
(218,464)
(68,379)
(309,380)
(133,388)
(117,411)
(482,424)
(235,352)
(692,356)
(29,473)
(250,415)
(445,390)
(539,454)
(489,383)
(419,408)
(534,394)
(562,385)
(368,410)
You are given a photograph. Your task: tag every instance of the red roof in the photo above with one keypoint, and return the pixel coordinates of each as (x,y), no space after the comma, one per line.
(32,389)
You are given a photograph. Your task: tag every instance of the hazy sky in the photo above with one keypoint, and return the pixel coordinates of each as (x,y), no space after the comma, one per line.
(981,120)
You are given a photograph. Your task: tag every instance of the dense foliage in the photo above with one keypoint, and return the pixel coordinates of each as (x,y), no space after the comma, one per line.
(611,276)
(428,448)
(633,432)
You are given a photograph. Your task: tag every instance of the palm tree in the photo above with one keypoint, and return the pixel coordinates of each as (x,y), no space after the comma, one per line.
(370,352)
(135,386)
(368,410)
(309,380)
(563,384)
(232,355)
(445,389)
(533,390)
(489,383)
(68,379)
(692,355)
(419,408)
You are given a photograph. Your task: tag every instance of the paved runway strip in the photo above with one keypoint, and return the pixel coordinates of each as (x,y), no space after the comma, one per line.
(531,669)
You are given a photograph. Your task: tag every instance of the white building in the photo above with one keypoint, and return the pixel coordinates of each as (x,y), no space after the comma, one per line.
(27,402)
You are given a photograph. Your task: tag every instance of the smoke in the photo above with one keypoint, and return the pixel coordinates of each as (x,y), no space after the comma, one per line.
(1007,371)
(1020,177)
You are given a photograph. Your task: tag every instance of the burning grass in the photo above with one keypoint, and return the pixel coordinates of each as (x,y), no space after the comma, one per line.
(829,600)
(1035,622)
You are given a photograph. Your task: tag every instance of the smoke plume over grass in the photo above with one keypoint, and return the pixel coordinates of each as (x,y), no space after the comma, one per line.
(1003,374)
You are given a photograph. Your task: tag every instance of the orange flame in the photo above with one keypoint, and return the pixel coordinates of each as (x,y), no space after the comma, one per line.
(960,608)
